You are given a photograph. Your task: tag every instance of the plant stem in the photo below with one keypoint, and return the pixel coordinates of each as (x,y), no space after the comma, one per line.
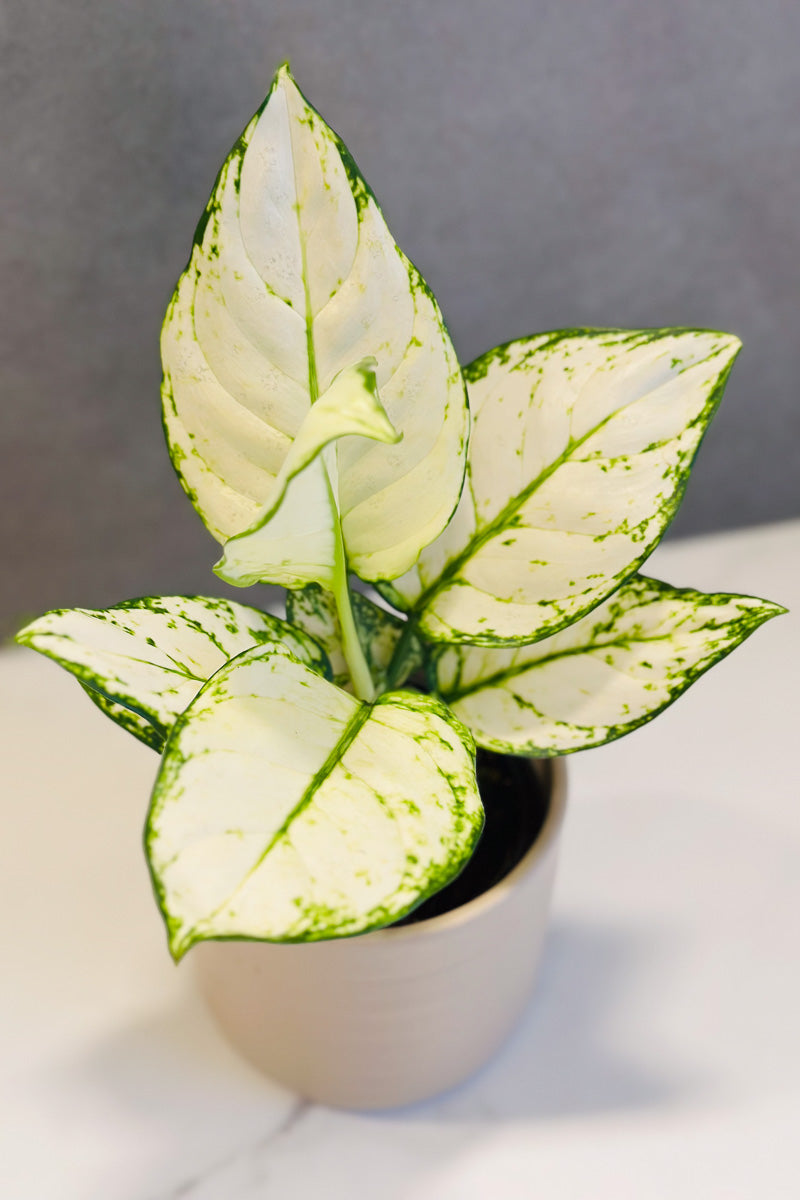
(393,672)
(360,674)
(351,646)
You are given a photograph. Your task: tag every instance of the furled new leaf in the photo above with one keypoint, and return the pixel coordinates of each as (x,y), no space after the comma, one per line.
(298,541)
(294,277)
(601,677)
(379,631)
(144,660)
(287,810)
(581,447)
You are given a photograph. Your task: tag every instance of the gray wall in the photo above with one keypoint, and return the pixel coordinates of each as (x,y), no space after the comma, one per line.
(545,163)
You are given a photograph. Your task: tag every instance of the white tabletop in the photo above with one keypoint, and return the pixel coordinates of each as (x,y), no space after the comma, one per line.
(659,1058)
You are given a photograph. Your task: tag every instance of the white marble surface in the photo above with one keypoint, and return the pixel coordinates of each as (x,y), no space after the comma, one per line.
(659,1058)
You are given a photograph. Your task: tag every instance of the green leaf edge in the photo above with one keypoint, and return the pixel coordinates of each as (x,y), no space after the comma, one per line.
(476,370)
(124,710)
(417,700)
(361,192)
(128,719)
(748,623)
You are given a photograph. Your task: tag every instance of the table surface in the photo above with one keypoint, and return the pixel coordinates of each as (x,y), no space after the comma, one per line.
(659,1057)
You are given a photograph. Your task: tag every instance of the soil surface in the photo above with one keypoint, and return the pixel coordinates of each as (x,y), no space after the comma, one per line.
(515,802)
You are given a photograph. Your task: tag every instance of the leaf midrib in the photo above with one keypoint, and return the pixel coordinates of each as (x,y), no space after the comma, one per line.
(497,680)
(350,733)
(500,522)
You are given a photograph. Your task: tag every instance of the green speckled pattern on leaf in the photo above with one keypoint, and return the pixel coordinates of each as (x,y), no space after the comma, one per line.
(581,447)
(127,719)
(600,678)
(142,661)
(286,810)
(293,278)
(314,610)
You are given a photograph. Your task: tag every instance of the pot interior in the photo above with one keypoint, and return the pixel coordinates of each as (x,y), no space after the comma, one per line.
(515,795)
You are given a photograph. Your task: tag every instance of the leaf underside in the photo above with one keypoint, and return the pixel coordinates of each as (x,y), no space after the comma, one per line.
(581,447)
(600,678)
(286,810)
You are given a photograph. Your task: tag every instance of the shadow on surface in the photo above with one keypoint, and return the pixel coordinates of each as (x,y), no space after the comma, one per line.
(567,1055)
(164,1109)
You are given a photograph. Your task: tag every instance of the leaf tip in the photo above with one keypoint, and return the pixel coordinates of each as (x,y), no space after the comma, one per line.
(283,76)
(770,609)
(28,634)
(180,946)
(223,569)
(732,344)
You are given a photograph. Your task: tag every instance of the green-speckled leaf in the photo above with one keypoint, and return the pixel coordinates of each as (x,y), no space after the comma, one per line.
(294,277)
(600,678)
(127,719)
(287,810)
(295,540)
(581,447)
(142,661)
(314,610)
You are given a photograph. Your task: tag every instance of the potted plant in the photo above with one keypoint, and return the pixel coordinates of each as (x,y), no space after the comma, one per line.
(316,803)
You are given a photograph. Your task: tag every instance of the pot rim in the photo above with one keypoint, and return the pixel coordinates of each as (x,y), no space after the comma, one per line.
(556,778)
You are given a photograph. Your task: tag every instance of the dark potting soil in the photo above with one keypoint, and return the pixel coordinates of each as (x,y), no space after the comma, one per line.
(515,803)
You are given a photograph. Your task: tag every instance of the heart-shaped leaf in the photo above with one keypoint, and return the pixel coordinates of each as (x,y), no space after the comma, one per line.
(286,810)
(379,631)
(581,448)
(144,660)
(600,678)
(294,277)
(298,542)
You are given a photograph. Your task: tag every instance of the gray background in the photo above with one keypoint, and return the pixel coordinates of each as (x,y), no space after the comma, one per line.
(600,162)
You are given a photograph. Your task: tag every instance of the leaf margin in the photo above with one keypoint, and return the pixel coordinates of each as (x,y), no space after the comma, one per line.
(424,703)
(475,371)
(750,620)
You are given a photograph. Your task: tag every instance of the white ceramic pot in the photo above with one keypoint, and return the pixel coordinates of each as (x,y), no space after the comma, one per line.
(400,1014)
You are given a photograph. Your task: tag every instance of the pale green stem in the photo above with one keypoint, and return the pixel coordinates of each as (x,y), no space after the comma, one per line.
(351,646)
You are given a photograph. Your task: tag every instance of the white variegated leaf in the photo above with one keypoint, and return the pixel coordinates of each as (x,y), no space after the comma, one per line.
(379,632)
(287,810)
(144,660)
(294,277)
(600,678)
(296,539)
(581,447)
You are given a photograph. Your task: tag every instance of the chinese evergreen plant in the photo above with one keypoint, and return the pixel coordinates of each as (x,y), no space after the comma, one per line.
(317,774)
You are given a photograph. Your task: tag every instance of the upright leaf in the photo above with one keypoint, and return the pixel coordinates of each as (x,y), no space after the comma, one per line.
(581,447)
(286,810)
(379,633)
(600,678)
(144,660)
(294,277)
